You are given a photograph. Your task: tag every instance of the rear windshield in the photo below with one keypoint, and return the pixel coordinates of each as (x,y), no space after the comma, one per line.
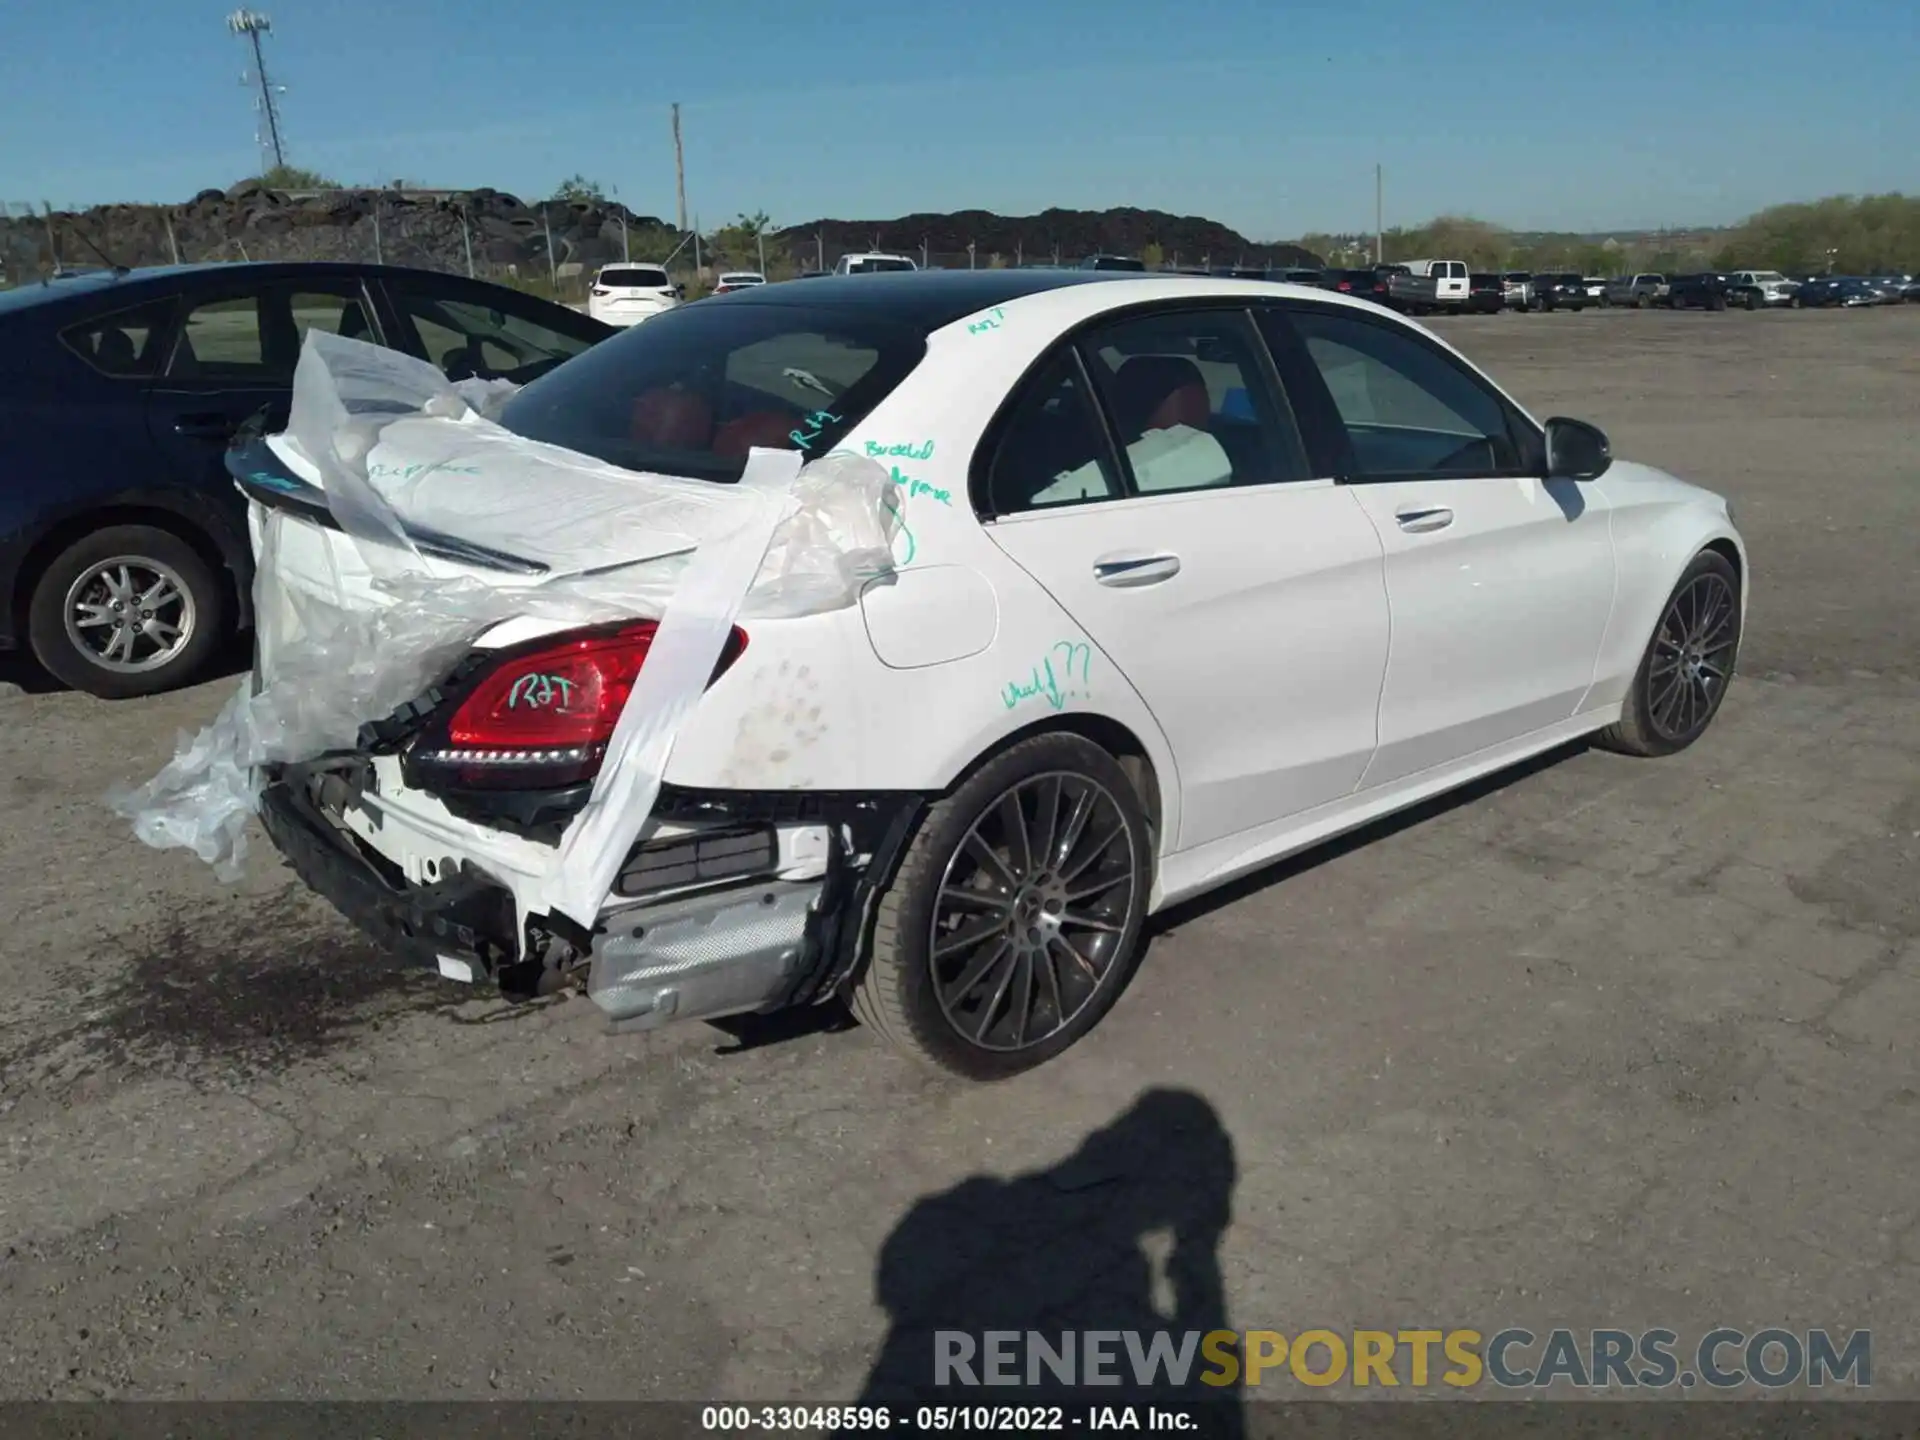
(635,278)
(869,267)
(691,391)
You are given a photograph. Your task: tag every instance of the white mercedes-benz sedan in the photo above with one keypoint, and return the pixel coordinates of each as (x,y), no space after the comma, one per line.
(1191,574)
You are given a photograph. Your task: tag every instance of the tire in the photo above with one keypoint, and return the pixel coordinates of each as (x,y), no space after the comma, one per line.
(1654,722)
(1023,992)
(1753,302)
(91,576)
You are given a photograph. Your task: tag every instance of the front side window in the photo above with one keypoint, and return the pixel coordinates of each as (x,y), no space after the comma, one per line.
(1051,451)
(691,391)
(125,344)
(1408,409)
(1189,402)
(470,338)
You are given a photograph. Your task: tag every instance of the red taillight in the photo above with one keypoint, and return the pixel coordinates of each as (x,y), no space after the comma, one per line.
(543,716)
(1344,285)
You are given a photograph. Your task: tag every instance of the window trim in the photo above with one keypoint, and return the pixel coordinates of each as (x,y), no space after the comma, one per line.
(986,448)
(1527,438)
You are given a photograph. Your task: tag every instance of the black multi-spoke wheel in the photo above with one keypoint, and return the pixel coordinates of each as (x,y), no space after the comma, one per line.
(1683,677)
(1016,913)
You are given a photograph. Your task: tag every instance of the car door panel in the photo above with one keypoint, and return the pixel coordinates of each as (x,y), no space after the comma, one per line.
(1499,582)
(234,358)
(1260,650)
(1498,613)
(1247,609)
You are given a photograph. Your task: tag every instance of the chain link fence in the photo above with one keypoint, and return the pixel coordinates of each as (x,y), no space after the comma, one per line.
(550,248)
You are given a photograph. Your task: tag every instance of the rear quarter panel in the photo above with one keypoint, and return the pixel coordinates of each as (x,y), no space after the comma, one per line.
(812,705)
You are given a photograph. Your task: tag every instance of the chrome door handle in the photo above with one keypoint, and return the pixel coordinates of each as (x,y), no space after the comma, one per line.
(1123,571)
(1424,519)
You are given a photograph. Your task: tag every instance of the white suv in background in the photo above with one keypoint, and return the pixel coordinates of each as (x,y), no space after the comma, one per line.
(626,294)
(872,263)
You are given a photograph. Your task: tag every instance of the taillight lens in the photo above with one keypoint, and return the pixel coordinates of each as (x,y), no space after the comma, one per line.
(542,716)
(1344,285)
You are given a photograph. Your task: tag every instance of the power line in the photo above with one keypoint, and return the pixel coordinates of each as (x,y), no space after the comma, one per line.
(250,25)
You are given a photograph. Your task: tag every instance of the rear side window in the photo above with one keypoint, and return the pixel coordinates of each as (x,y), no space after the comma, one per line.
(225,339)
(690,392)
(1051,451)
(1190,404)
(635,278)
(125,344)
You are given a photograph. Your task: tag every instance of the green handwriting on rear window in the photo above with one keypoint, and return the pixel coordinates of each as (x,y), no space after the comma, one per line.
(540,692)
(989,321)
(922,451)
(1056,683)
(811,428)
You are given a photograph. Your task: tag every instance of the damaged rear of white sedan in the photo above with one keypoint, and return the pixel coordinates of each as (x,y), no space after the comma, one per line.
(912,643)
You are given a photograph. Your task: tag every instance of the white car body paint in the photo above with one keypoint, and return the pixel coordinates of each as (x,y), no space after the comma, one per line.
(1311,665)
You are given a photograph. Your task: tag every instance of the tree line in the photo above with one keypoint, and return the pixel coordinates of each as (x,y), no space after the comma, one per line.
(1844,234)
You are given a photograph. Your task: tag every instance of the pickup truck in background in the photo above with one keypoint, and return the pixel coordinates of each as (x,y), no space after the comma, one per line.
(1760,289)
(1429,285)
(1642,290)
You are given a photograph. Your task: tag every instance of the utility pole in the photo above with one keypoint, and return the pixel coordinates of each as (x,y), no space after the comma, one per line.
(250,25)
(1379,232)
(679,170)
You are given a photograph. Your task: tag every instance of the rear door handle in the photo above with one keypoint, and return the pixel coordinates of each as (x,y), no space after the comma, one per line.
(1126,571)
(205,427)
(1424,519)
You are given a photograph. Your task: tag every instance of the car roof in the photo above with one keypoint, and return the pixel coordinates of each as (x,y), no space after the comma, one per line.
(148,280)
(929,300)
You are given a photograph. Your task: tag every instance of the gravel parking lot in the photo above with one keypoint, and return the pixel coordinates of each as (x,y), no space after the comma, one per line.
(1610,1043)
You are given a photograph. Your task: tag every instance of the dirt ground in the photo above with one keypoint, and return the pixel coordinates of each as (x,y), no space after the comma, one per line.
(1607,1043)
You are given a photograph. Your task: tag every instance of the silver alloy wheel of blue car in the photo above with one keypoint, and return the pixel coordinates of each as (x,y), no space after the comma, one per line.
(130,614)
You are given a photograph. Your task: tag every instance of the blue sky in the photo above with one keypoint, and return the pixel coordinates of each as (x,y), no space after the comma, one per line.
(1267,117)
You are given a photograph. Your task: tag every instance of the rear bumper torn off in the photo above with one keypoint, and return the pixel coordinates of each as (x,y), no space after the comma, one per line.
(747,943)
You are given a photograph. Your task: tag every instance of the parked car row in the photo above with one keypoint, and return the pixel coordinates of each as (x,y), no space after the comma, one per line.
(1421,286)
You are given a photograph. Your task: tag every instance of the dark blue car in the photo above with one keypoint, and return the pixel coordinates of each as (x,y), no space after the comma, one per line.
(124,556)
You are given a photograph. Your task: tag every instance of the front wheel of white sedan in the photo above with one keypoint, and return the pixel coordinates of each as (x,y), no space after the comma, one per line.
(1683,677)
(1015,917)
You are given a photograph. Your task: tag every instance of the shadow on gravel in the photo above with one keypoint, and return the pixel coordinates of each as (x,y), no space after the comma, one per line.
(1122,1236)
(242,987)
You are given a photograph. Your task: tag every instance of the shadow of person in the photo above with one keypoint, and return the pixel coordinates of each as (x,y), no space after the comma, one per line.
(1122,1237)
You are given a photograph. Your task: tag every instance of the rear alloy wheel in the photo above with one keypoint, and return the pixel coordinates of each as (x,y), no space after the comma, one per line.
(1016,915)
(1683,677)
(128,610)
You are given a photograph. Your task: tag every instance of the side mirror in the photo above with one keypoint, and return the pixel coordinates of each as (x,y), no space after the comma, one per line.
(1576,450)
